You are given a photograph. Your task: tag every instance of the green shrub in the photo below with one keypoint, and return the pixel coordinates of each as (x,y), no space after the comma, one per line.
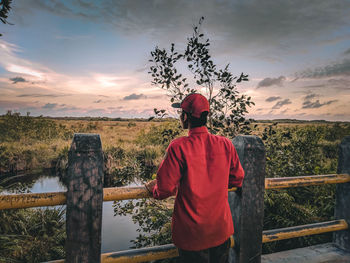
(298,151)
(159,135)
(15,127)
(32,235)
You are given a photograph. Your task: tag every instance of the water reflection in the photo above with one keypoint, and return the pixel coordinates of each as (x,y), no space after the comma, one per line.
(117,231)
(47,184)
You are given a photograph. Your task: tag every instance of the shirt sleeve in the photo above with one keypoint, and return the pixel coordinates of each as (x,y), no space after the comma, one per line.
(168,175)
(236,170)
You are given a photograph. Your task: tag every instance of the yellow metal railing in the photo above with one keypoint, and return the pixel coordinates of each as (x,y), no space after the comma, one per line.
(298,181)
(123,193)
(169,251)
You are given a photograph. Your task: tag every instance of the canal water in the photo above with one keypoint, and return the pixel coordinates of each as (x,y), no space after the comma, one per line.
(117,231)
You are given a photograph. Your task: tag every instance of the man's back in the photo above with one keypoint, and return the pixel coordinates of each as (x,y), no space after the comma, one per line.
(202,167)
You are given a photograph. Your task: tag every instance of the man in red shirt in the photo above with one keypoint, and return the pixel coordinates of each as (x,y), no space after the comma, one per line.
(199,169)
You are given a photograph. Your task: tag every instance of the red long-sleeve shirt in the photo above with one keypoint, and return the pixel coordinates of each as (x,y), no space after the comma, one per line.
(200,168)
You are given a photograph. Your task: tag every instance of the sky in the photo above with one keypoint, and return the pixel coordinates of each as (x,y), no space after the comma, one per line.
(90,58)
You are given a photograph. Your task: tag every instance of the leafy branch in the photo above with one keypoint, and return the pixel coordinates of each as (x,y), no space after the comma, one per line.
(4,9)
(227,106)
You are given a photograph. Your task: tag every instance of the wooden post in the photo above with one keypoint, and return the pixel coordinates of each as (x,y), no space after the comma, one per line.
(84,199)
(342,196)
(248,209)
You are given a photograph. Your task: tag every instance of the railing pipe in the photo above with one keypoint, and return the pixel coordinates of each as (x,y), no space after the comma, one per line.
(32,200)
(140,254)
(298,181)
(170,251)
(13,201)
(304,230)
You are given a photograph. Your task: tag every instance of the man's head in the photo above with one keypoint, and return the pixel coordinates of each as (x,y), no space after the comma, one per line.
(195,109)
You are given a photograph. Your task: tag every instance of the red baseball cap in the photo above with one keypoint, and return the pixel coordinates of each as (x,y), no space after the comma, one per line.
(194,104)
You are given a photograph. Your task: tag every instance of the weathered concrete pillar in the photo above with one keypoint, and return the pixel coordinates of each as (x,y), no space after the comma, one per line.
(342,196)
(248,210)
(84,199)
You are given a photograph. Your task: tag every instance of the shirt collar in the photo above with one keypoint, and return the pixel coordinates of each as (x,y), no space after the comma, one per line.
(201,129)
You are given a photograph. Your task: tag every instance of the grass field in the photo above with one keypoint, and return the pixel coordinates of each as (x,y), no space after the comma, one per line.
(28,152)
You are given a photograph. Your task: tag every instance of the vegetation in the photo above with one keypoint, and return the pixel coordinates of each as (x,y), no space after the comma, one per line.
(298,151)
(133,153)
(32,235)
(28,143)
(5,7)
(227,107)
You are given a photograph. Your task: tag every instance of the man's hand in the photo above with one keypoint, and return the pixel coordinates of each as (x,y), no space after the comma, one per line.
(150,185)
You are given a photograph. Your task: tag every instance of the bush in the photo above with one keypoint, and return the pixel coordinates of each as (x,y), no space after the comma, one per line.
(32,235)
(298,152)
(159,135)
(15,127)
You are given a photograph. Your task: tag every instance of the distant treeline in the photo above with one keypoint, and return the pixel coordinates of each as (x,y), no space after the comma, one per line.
(166,119)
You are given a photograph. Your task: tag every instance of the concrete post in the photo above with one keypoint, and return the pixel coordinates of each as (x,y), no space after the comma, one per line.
(248,210)
(84,199)
(342,201)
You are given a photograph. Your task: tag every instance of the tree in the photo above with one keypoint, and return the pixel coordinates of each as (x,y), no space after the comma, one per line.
(227,107)
(5,6)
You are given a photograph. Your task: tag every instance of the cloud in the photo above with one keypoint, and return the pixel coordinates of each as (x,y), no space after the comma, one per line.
(284,111)
(161,96)
(115,108)
(134,96)
(340,68)
(314,86)
(72,38)
(316,104)
(41,95)
(347,52)
(281,103)
(267,82)
(143,69)
(55,82)
(339,84)
(243,23)
(12,62)
(311,96)
(17,79)
(49,106)
(273,98)
(72,108)
(338,81)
